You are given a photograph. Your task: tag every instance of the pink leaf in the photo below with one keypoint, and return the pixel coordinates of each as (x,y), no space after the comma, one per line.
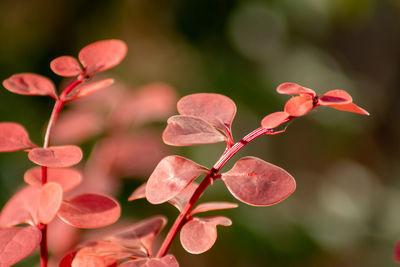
(49,202)
(21,208)
(13,137)
(335,97)
(189,131)
(30,84)
(199,234)
(102,55)
(166,261)
(87,89)
(56,156)
(181,199)
(351,107)
(141,235)
(139,193)
(216,109)
(396,252)
(61,237)
(170,177)
(299,105)
(274,119)
(294,89)
(259,183)
(16,243)
(66,66)
(89,211)
(67,178)
(213,206)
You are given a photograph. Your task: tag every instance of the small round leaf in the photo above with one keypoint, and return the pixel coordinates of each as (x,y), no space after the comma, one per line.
(56,156)
(49,202)
(67,178)
(299,105)
(335,97)
(65,66)
(90,88)
(274,119)
(30,84)
(294,89)
(13,137)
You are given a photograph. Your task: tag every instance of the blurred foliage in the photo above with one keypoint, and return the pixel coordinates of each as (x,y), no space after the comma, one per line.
(345,211)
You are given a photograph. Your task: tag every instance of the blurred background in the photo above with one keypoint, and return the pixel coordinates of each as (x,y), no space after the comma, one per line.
(346,208)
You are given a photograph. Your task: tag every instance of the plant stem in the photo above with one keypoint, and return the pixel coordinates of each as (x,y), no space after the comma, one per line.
(60,102)
(226,156)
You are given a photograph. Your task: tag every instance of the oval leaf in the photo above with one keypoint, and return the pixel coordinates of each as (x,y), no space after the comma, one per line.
(65,66)
(274,119)
(89,211)
(67,178)
(213,206)
(49,202)
(87,89)
(216,109)
(299,105)
(30,84)
(171,176)
(351,107)
(258,183)
(189,131)
(166,261)
(199,234)
(335,97)
(16,243)
(294,89)
(56,156)
(102,55)
(13,137)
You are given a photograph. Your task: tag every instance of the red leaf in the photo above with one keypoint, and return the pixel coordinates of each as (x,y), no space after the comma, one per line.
(66,178)
(396,252)
(294,89)
(259,183)
(66,66)
(216,109)
(56,156)
(21,208)
(140,192)
(13,137)
(213,206)
(87,89)
(170,177)
(49,202)
(89,211)
(141,235)
(299,105)
(102,55)
(30,84)
(166,261)
(188,131)
(274,119)
(199,234)
(16,243)
(335,97)
(351,107)
(181,199)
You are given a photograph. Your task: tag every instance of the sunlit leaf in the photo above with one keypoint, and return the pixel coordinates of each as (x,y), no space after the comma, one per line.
(30,84)
(216,109)
(351,107)
(259,183)
(49,202)
(89,211)
(188,131)
(102,55)
(56,156)
(335,97)
(139,193)
(13,137)
(170,177)
(199,234)
(209,206)
(299,105)
(294,89)
(396,252)
(181,199)
(90,88)
(21,208)
(166,261)
(274,119)
(16,243)
(66,66)
(67,178)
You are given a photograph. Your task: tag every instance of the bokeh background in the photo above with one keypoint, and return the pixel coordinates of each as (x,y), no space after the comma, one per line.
(346,209)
